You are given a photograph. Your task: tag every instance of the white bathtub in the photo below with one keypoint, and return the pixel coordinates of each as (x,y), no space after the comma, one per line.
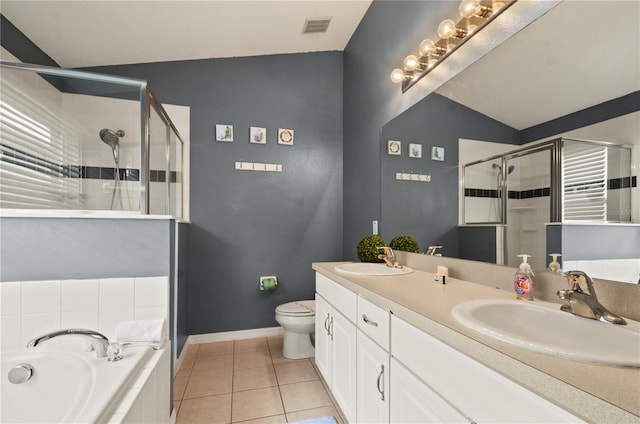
(68,385)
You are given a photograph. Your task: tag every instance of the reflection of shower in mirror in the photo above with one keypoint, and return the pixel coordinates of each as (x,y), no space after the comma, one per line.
(112,139)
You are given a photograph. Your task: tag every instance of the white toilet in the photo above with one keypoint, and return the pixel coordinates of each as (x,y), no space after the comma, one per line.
(298,321)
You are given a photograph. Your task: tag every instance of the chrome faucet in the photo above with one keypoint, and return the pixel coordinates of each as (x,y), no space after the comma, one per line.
(98,341)
(431,251)
(585,304)
(389,257)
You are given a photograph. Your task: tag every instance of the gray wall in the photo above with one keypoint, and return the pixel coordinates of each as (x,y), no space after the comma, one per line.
(82,248)
(429,211)
(248,224)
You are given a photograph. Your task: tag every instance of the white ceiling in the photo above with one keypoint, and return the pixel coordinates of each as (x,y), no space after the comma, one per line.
(97,32)
(580,54)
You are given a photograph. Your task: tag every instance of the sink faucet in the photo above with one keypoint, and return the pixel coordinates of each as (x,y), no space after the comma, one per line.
(431,251)
(585,304)
(389,257)
(98,341)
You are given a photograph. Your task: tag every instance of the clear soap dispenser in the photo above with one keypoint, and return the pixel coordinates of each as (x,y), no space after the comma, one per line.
(554,266)
(524,283)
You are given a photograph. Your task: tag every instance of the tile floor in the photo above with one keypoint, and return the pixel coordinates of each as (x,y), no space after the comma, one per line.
(248,381)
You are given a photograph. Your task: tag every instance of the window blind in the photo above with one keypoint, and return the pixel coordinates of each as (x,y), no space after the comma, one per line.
(39,153)
(584,174)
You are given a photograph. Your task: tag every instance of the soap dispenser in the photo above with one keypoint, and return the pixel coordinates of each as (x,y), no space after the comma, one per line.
(523,282)
(554,266)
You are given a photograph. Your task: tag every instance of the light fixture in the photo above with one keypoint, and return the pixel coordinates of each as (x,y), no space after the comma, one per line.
(475,14)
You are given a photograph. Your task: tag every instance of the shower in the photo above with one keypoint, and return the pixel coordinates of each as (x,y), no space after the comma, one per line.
(112,139)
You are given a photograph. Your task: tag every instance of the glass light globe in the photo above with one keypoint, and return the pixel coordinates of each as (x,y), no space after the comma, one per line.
(447,28)
(397,75)
(411,62)
(468,8)
(425,47)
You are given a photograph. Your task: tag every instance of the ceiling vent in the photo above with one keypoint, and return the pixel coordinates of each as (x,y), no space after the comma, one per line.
(316,25)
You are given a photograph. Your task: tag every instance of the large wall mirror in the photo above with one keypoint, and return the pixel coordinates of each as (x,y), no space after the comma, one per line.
(573,73)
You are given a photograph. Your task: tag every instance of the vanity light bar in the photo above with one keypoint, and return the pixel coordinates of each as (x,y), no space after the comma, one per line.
(475,15)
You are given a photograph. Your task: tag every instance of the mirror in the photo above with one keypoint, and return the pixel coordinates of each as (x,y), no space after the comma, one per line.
(543,83)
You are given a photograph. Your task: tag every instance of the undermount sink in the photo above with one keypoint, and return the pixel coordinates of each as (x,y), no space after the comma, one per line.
(366,268)
(542,327)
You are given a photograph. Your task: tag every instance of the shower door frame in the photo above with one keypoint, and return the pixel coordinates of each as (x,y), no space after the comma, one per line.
(147,100)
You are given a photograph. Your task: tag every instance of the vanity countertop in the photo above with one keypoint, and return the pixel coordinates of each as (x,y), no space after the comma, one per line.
(597,393)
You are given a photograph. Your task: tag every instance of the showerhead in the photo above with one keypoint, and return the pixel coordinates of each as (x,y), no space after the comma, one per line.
(112,139)
(499,168)
(510,169)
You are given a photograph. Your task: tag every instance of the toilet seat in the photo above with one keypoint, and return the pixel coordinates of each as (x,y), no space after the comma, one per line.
(300,308)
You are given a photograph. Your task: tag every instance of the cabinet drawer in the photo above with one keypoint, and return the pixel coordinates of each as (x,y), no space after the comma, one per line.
(479,392)
(374,322)
(341,298)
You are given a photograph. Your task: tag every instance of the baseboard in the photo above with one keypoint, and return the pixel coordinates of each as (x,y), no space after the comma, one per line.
(233,335)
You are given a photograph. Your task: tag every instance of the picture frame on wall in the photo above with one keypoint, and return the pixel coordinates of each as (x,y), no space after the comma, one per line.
(257,135)
(415,150)
(224,133)
(285,136)
(394,147)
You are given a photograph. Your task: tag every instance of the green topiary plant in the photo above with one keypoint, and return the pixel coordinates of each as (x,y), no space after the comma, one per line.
(368,248)
(405,243)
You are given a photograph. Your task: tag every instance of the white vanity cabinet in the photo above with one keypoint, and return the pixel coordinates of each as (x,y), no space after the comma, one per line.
(335,338)
(373,363)
(479,393)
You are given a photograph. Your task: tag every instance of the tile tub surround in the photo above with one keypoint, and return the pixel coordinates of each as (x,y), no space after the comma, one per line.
(32,308)
(248,381)
(597,393)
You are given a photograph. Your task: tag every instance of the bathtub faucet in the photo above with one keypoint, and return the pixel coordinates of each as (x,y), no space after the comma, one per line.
(98,341)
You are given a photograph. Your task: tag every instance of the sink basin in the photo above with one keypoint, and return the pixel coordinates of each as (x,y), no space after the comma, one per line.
(366,268)
(542,327)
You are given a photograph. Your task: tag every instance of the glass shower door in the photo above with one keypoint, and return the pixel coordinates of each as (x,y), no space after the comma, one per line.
(528,206)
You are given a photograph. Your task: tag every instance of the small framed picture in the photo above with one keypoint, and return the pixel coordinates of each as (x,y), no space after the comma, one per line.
(257,135)
(394,147)
(285,136)
(224,132)
(437,153)
(415,150)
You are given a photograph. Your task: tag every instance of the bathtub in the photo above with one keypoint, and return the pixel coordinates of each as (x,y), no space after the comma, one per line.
(68,384)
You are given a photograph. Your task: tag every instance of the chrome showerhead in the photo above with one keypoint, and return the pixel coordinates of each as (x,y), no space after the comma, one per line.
(510,169)
(112,139)
(499,168)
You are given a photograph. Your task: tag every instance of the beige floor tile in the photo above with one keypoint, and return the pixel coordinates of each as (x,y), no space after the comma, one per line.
(305,395)
(325,411)
(257,359)
(192,351)
(179,384)
(275,348)
(201,385)
(274,419)
(210,364)
(217,348)
(251,345)
(254,378)
(210,409)
(186,366)
(252,404)
(295,372)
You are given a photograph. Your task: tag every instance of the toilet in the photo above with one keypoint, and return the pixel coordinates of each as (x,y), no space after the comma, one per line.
(298,321)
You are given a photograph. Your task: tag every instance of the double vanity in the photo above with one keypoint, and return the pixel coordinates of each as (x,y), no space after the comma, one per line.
(403,348)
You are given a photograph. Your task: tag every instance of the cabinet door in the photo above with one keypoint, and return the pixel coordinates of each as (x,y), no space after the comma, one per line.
(373,381)
(412,401)
(343,364)
(323,341)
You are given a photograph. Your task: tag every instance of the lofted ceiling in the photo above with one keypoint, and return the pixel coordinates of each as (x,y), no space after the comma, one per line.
(579,54)
(96,32)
